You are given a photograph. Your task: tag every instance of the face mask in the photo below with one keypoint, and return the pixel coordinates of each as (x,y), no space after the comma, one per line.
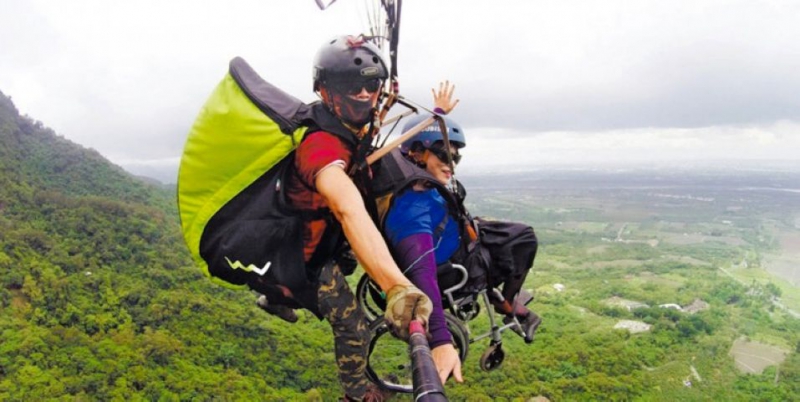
(353,111)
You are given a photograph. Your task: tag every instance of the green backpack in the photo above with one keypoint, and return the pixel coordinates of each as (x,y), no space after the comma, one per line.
(230,196)
(245,129)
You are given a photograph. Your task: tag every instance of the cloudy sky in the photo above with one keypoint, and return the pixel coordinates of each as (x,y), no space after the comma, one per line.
(541,83)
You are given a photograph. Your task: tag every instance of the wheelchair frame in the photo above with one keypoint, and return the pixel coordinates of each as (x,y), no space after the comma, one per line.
(461,308)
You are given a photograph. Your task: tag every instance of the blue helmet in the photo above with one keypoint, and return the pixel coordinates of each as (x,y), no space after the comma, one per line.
(433,133)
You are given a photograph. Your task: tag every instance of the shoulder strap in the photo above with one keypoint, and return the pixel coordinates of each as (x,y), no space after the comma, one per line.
(441,226)
(470,225)
(317,118)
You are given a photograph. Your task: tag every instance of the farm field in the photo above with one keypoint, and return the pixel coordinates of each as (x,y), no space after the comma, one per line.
(688,217)
(729,242)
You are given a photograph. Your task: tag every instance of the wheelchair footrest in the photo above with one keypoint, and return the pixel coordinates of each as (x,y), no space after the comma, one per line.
(524,297)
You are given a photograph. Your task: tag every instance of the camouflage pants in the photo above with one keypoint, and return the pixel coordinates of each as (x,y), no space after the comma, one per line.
(351,335)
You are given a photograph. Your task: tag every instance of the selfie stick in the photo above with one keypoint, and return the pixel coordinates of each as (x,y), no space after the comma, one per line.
(427,386)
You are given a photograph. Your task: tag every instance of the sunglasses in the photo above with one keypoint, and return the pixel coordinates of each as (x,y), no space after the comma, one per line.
(354,88)
(441,153)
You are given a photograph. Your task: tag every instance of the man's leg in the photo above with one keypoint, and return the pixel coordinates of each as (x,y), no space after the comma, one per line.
(351,335)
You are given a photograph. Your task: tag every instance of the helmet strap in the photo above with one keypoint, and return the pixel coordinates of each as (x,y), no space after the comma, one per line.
(446,138)
(326,98)
(418,157)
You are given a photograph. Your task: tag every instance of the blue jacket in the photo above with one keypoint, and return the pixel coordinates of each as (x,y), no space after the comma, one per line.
(416,212)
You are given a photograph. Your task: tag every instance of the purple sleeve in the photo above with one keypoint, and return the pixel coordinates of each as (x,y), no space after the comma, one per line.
(416,259)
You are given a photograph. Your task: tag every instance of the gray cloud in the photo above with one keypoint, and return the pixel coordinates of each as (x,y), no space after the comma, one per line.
(597,66)
(128,78)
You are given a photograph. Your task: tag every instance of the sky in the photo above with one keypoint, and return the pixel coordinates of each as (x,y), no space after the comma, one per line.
(542,83)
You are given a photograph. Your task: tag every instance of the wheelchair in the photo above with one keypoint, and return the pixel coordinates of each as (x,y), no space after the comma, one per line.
(388,362)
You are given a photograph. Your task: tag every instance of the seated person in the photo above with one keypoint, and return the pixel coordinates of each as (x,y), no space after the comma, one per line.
(424,230)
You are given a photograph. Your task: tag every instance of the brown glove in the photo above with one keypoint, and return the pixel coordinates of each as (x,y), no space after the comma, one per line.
(403,304)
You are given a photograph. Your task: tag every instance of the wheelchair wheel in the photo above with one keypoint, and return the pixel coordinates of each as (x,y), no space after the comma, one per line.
(370,298)
(388,361)
(468,310)
(493,357)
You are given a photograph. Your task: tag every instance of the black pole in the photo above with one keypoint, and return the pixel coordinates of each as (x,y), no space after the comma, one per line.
(427,386)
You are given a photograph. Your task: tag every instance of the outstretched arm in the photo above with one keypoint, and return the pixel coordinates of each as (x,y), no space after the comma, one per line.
(415,254)
(346,203)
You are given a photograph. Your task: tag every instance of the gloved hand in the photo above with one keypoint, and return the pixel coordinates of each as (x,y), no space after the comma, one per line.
(403,304)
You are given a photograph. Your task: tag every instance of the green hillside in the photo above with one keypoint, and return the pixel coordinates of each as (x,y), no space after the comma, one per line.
(99,299)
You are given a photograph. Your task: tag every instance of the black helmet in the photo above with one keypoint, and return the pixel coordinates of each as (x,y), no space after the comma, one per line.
(429,135)
(348,59)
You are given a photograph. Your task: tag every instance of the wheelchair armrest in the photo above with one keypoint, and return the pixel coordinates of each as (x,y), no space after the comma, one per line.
(463,281)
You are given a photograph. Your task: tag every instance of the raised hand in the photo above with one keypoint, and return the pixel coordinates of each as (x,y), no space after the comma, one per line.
(443,98)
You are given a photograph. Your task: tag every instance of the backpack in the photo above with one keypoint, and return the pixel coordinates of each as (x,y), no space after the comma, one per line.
(233,211)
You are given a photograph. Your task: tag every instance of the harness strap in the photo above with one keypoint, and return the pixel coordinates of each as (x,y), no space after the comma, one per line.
(441,226)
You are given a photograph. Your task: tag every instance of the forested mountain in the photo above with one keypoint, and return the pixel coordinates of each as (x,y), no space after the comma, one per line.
(100,301)
(36,159)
